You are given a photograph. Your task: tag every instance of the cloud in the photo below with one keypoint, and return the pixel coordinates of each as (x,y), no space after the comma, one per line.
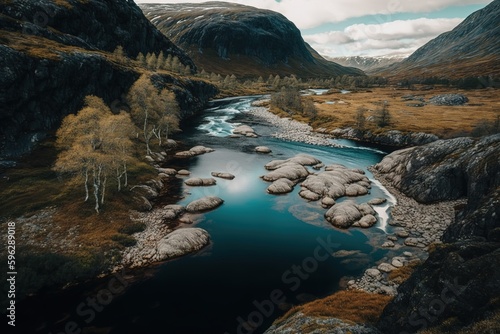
(313,13)
(389,37)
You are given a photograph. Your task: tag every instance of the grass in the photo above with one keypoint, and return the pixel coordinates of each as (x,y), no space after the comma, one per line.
(348,305)
(57,228)
(399,275)
(443,121)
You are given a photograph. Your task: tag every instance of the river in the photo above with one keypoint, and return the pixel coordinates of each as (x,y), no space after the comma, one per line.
(266,253)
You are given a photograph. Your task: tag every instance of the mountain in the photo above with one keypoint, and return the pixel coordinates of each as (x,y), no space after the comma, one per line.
(366,64)
(227,38)
(471,49)
(54,53)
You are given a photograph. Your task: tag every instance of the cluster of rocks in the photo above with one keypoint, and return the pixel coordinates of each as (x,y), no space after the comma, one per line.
(291,130)
(244,130)
(194,151)
(449,100)
(417,224)
(159,241)
(375,279)
(334,182)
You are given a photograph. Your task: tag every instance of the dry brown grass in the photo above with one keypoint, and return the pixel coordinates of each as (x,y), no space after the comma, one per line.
(401,274)
(348,305)
(444,121)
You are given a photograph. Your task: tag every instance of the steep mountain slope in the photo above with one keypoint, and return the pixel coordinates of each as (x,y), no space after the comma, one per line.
(55,52)
(367,64)
(228,38)
(471,49)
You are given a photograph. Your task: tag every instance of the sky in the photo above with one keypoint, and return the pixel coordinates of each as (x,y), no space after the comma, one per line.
(339,28)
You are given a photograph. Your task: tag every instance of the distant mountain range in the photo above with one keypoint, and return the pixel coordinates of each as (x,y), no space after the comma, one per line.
(365,63)
(471,49)
(228,38)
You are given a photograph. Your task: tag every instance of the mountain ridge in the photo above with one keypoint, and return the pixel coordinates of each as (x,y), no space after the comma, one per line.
(471,49)
(227,38)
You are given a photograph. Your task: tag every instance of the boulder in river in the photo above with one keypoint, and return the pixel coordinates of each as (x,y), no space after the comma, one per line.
(198,182)
(196,150)
(377,201)
(344,214)
(309,195)
(222,175)
(281,186)
(184,172)
(204,204)
(263,149)
(244,130)
(289,170)
(171,211)
(181,242)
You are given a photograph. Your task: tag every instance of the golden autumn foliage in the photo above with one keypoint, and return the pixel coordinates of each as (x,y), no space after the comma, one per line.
(95,145)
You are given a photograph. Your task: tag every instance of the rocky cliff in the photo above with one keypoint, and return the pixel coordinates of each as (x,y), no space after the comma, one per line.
(471,49)
(53,53)
(459,285)
(227,38)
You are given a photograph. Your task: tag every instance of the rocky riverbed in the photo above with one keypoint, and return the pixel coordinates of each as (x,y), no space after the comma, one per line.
(291,130)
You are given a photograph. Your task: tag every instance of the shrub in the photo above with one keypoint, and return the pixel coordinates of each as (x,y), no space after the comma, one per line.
(124,240)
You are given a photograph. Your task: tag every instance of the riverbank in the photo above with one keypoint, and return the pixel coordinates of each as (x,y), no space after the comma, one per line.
(416,227)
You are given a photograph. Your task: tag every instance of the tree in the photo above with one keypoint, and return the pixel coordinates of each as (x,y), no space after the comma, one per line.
(95,144)
(382,115)
(360,118)
(151,61)
(309,109)
(141,59)
(160,62)
(154,111)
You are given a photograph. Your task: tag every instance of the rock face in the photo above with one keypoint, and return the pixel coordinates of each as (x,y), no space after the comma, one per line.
(460,280)
(389,138)
(181,242)
(48,68)
(204,204)
(225,38)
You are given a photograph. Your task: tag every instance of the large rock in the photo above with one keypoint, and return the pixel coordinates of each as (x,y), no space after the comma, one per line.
(171,211)
(343,215)
(288,170)
(449,100)
(244,130)
(222,175)
(458,284)
(181,242)
(194,151)
(198,182)
(262,149)
(448,170)
(281,186)
(337,181)
(204,204)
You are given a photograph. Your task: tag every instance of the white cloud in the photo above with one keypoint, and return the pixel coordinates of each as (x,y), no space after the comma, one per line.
(396,37)
(313,13)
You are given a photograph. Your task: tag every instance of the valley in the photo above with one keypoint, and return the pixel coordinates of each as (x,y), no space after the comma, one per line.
(200,168)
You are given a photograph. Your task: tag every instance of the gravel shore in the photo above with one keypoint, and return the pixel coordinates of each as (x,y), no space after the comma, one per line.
(291,130)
